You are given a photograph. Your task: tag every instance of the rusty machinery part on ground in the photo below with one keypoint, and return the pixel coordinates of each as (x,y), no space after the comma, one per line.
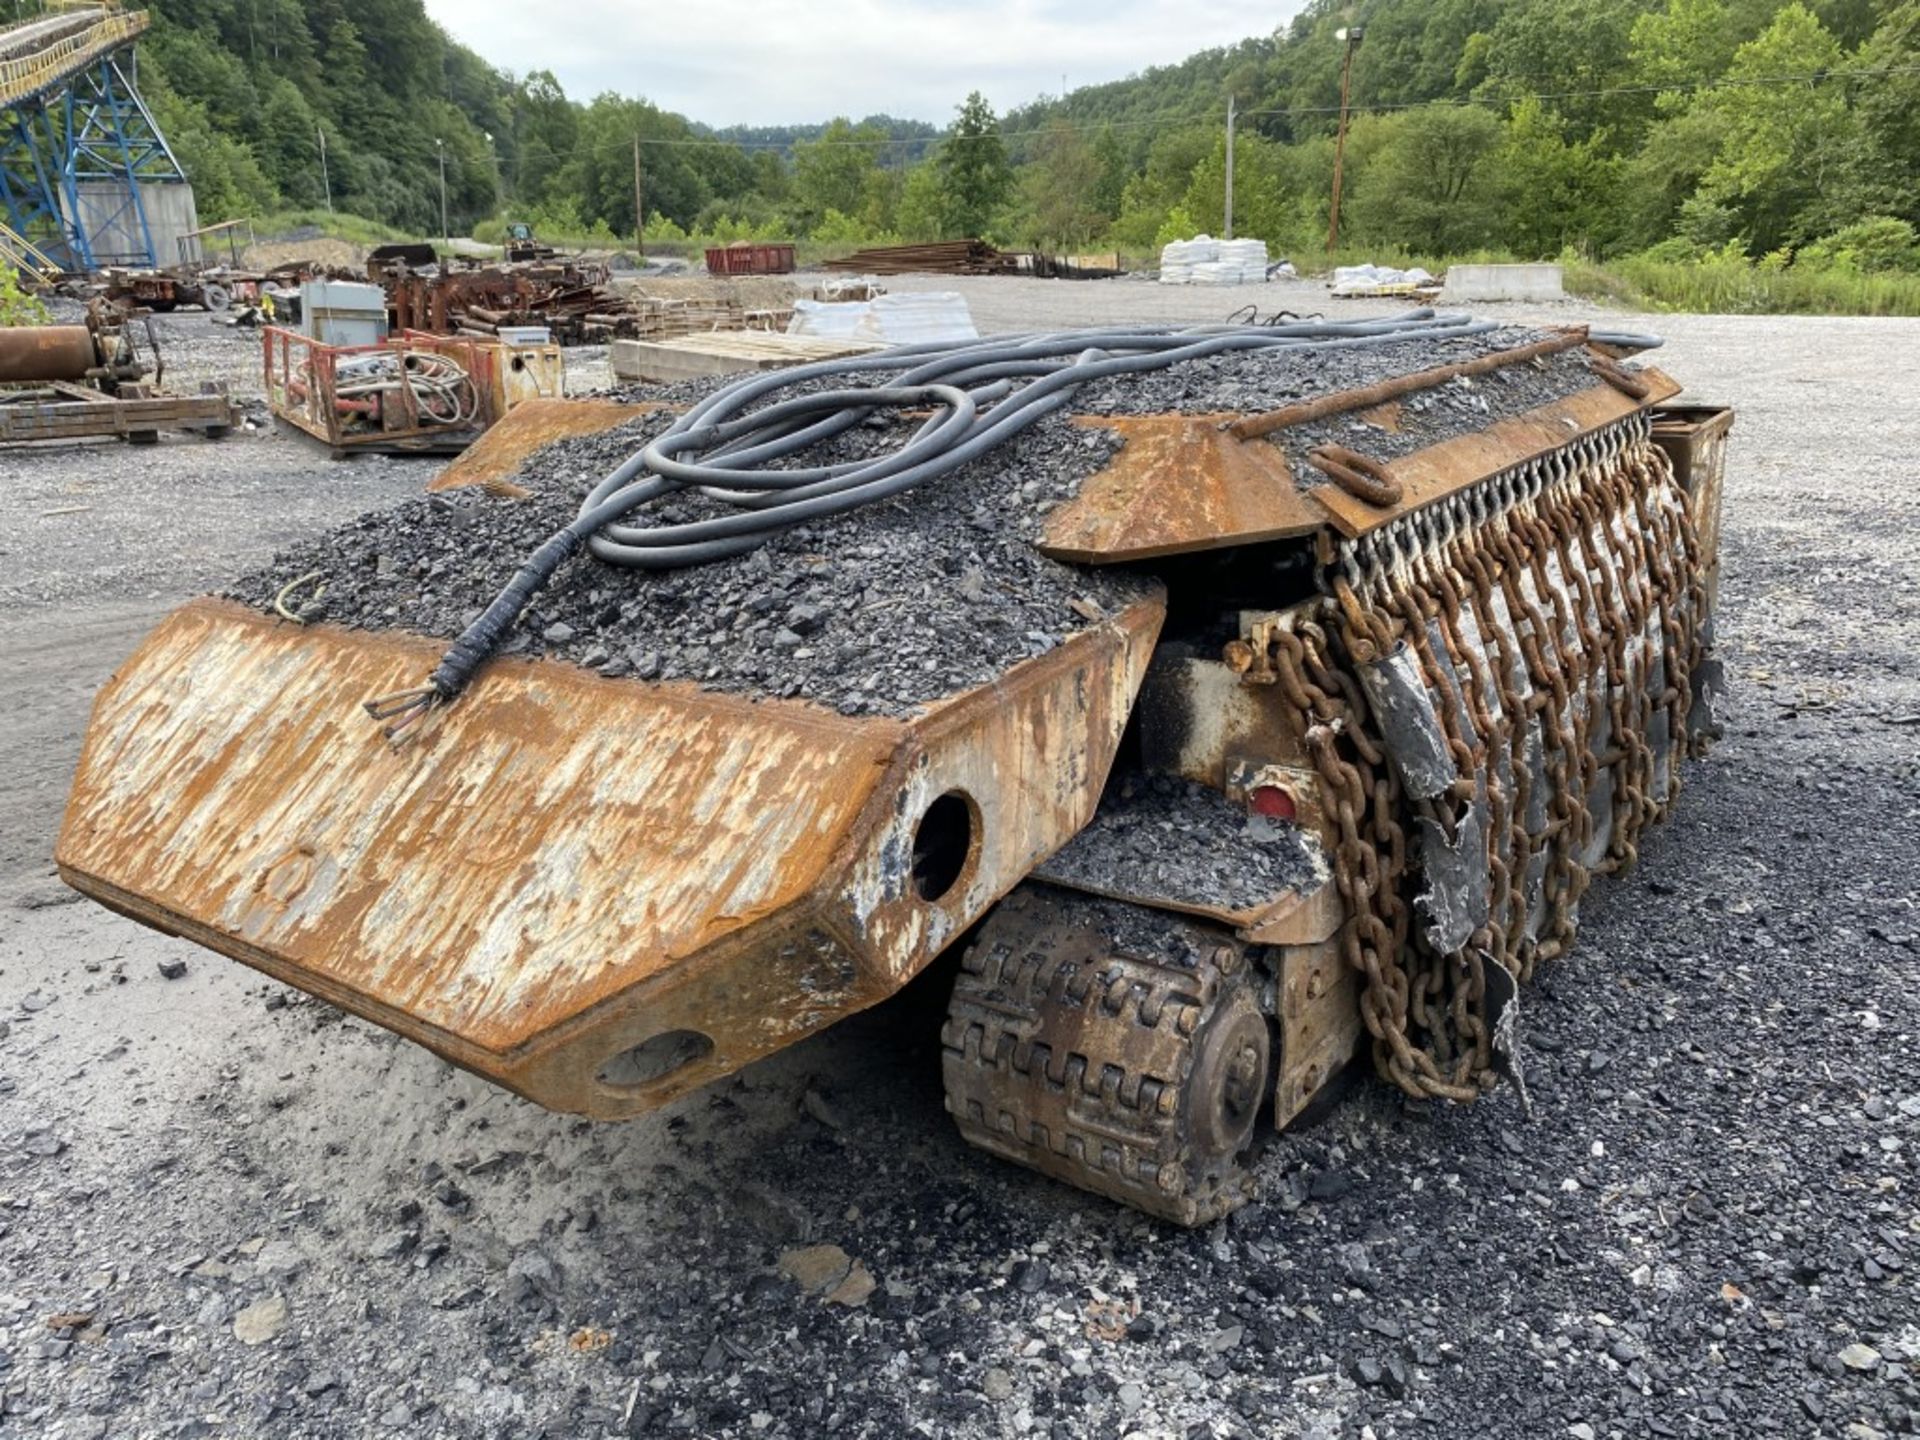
(102,352)
(1497,691)
(725,449)
(1105,1062)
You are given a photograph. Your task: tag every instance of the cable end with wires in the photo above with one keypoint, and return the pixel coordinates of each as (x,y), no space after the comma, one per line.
(401,710)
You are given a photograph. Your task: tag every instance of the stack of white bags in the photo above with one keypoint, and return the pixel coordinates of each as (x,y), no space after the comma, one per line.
(1359,279)
(1178,259)
(1206,261)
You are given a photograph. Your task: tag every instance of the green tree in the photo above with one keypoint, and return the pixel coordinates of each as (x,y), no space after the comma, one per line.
(1062,189)
(973,167)
(1689,44)
(546,130)
(228,182)
(1161,184)
(1260,208)
(289,142)
(1660,178)
(1851,21)
(1889,106)
(922,211)
(1793,159)
(1575,48)
(835,172)
(1553,192)
(1109,150)
(1425,178)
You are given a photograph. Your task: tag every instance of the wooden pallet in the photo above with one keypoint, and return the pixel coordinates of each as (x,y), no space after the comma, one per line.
(61,410)
(723,353)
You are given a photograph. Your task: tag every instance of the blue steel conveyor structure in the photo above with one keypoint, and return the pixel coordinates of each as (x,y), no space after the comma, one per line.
(79,150)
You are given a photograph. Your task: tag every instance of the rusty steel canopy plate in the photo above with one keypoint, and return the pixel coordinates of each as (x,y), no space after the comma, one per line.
(496,457)
(1179,483)
(1183,483)
(564,867)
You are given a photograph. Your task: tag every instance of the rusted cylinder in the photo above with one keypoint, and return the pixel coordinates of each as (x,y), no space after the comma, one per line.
(45,352)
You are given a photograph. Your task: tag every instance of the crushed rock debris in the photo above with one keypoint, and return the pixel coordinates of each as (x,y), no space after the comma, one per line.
(1157,834)
(882,611)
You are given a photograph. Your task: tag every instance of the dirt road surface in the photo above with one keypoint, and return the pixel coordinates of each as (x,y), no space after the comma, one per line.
(226,1210)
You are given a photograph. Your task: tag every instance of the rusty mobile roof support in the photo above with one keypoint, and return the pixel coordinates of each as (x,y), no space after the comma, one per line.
(602,892)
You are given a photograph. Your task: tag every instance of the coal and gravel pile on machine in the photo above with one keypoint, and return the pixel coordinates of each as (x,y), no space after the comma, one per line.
(877,611)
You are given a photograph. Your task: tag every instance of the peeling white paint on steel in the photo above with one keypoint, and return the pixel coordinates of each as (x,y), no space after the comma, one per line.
(1032,759)
(521,861)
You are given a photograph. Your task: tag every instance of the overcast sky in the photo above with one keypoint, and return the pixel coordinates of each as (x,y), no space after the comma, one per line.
(727,61)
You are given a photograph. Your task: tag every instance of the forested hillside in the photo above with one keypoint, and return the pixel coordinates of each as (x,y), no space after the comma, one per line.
(916,138)
(1780,132)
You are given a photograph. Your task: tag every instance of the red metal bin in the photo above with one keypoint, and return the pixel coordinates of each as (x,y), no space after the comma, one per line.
(744,259)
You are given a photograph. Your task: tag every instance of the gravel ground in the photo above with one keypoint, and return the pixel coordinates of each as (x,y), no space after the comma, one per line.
(227,1210)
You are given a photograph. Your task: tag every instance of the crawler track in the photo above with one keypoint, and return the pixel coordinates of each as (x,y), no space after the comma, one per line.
(1120,1050)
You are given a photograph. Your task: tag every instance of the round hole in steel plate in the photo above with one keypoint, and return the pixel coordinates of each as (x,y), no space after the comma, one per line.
(942,845)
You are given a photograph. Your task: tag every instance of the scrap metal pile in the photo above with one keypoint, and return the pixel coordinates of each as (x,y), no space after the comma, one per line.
(570,298)
(574,300)
(963,257)
(1250,695)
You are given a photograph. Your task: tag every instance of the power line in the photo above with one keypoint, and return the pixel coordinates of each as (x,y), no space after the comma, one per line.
(1501,101)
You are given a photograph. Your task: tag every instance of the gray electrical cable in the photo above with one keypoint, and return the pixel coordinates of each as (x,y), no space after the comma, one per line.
(1626,339)
(725,450)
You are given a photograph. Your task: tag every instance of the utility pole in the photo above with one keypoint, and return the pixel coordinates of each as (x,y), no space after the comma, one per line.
(326,185)
(446,235)
(639,215)
(1351,35)
(1229,223)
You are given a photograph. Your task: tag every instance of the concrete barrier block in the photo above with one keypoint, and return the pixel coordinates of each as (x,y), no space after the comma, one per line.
(1504,282)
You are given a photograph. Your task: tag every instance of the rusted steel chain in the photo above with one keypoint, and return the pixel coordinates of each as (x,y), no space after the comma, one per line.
(1553,615)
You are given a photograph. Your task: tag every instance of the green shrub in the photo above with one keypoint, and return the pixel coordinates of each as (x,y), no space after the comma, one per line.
(1876,246)
(662,230)
(354,229)
(1674,250)
(837,234)
(1178,225)
(1708,224)
(17,307)
(1732,285)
